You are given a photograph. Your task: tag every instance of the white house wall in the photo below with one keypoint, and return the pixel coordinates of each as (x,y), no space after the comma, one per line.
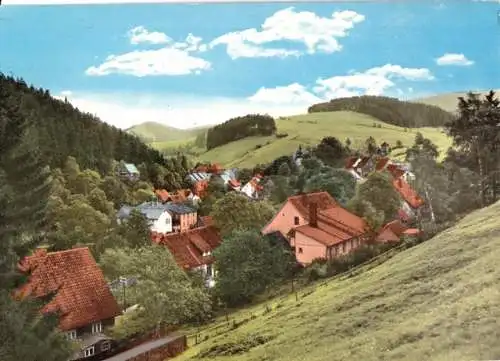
(163,224)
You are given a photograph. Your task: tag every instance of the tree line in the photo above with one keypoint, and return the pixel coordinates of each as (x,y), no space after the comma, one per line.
(238,128)
(389,110)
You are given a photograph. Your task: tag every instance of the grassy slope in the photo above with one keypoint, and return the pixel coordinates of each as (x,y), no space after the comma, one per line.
(164,135)
(437,301)
(309,129)
(446,101)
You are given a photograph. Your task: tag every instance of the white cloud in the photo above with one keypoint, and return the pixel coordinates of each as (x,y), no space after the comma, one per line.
(140,34)
(125,110)
(291,94)
(317,34)
(454,59)
(173,59)
(374,81)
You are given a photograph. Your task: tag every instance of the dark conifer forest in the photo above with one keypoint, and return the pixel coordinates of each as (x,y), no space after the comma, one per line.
(57,130)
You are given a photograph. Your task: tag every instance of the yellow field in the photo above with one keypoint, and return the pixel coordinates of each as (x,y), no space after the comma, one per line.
(309,129)
(437,301)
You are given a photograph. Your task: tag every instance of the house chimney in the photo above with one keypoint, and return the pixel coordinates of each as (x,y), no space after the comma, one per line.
(313,214)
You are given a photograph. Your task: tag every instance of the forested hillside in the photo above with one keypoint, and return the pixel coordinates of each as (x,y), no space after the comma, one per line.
(389,110)
(239,128)
(58,130)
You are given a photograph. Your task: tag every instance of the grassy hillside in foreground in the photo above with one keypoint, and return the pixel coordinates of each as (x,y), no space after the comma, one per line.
(309,129)
(159,133)
(437,301)
(446,101)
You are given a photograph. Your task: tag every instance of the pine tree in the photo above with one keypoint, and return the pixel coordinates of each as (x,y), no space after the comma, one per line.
(26,334)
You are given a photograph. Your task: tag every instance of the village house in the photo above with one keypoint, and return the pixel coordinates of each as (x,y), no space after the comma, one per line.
(128,171)
(192,250)
(156,213)
(82,296)
(395,231)
(316,226)
(253,188)
(411,202)
(163,217)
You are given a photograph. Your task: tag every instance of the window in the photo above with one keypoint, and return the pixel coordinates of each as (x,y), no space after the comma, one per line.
(167,220)
(296,221)
(343,247)
(97,327)
(89,351)
(300,250)
(105,346)
(71,335)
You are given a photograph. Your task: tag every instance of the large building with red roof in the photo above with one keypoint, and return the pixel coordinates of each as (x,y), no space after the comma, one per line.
(192,250)
(316,226)
(82,297)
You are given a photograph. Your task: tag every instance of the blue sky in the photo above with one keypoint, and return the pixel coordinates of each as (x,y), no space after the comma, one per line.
(186,65)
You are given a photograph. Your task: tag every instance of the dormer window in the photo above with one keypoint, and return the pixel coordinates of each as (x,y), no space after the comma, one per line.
(71,335)
(97,327)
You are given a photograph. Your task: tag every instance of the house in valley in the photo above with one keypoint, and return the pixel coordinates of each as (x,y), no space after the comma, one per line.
(183,216)
(192,250)
(128,171)
(253,188)
(316,226)
(401,178)
(156,213)
(82,296)
(396,231)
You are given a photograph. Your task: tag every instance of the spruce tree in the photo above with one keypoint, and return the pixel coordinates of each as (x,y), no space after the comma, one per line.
(26,334)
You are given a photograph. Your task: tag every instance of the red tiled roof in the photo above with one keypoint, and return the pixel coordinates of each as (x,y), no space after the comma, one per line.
(200,188)
(302,201)
(82,297)
(188,247)
(234,183)
(396,227)
(335,225)
(387,235)
(407,193)
(162,194)
(381,163)
(412,232)
(395,170)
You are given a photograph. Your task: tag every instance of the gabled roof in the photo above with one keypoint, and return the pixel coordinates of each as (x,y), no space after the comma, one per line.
(82,297)
(131,168)
(335,225)
(188,248)
(407,193)
(301,202)
(178,208)
(162,195)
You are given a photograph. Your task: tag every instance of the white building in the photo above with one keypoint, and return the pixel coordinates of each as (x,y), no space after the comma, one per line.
(159,219)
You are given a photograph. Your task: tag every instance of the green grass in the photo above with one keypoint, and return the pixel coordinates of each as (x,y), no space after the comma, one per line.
(446,101)
(437,301)
(309,129)
(161,135)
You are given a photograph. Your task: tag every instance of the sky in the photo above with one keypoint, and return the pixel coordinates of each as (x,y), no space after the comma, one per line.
(187,65)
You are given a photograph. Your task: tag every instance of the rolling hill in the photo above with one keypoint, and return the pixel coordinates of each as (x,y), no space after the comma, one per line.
(437,301)
(153,132)
(309,129)
(446,101)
